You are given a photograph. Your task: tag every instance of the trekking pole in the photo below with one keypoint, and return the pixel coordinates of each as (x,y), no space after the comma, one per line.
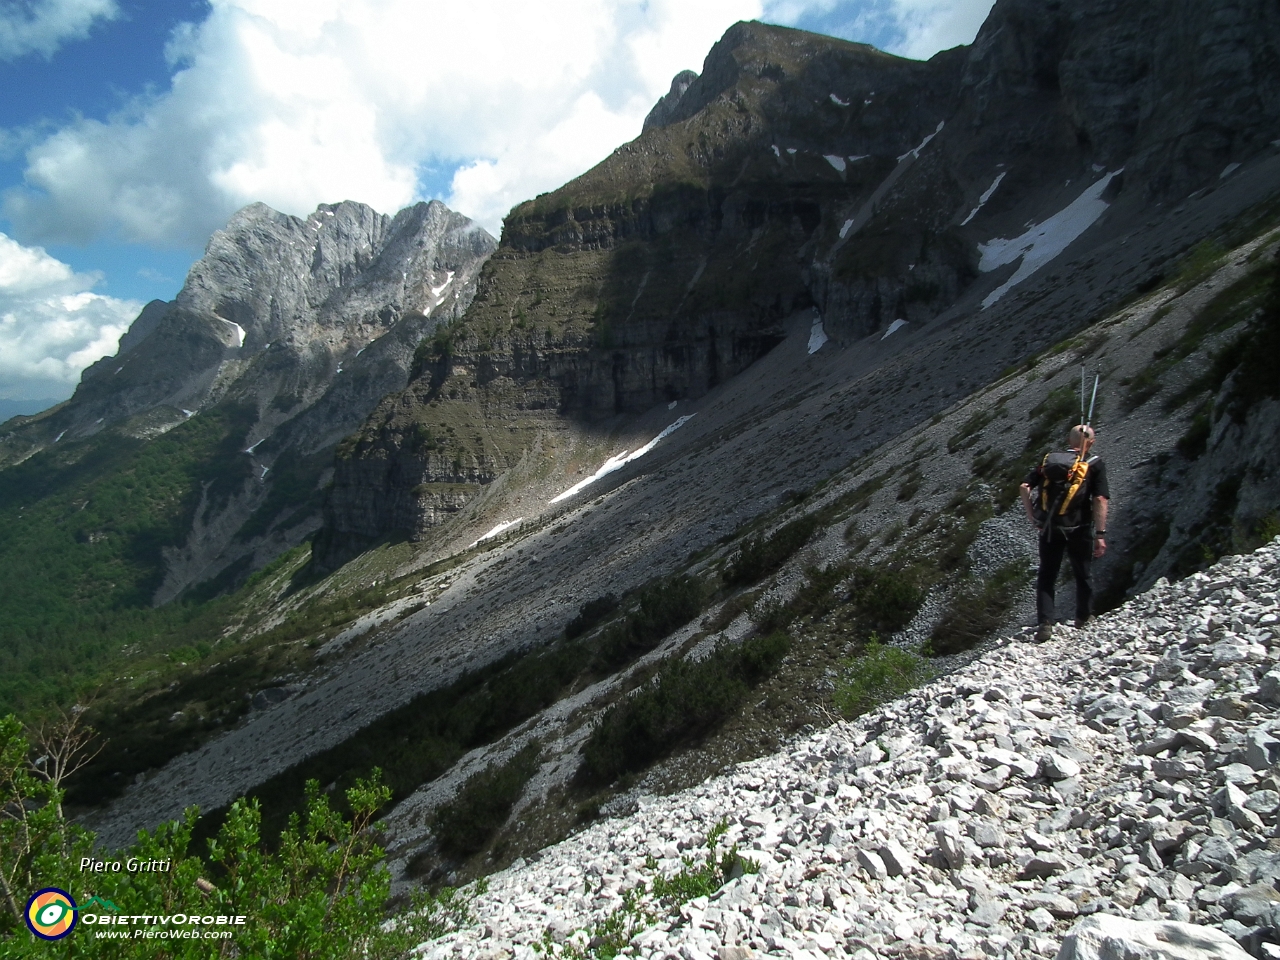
(1082,393)
(1096,378)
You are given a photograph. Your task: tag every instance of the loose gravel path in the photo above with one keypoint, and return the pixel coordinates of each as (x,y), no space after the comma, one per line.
(1128,769)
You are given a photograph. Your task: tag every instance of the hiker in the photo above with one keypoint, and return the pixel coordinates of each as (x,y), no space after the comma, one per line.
(1066,498)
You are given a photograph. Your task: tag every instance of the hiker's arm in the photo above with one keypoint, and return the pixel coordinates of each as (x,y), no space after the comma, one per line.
(1099,524)
(1025,490)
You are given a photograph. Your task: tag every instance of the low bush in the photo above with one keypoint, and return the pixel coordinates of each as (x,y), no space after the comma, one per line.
(761,556)
(321,893)
(881,673)
(885,599)
(687,699)
(590,615)
(467,822)
(665,605)
(976,609)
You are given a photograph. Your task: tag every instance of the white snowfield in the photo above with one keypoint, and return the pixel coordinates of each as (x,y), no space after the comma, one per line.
(1115,788)
(622,459)
(236,330)
(495,531)
(982,200)
(1043,241)
(436,291)
(817,335)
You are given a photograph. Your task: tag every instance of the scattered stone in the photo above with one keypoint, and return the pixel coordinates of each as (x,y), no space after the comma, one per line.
(1102,776)
(1103,937)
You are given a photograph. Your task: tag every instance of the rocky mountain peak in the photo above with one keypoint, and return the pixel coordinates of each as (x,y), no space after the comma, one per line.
(666,106)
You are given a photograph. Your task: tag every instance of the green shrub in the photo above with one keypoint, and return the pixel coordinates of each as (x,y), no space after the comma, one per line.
(967,435)
(976,609)
(885,599)
(815,598)
(665,605)
(321,893)
(684,701)
(1195,441)
(1256,378)
(590,615)
(881,673)
(1199,264)
(467,822)
(761,555)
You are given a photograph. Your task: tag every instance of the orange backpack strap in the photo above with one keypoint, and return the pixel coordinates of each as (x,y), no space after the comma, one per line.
(1079,470)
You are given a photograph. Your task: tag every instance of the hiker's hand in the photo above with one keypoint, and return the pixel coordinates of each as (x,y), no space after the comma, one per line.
(1099,547)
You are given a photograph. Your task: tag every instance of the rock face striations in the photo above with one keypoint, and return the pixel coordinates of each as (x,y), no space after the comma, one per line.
(799,173)
(1124,773)
(290,329)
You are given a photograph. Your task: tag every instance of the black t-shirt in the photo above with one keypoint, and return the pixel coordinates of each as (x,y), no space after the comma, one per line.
(1095,484)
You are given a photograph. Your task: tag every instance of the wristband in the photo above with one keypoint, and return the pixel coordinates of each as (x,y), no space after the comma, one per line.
(1100,533)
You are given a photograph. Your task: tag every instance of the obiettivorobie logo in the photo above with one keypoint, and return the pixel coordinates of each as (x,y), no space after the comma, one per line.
(51,913)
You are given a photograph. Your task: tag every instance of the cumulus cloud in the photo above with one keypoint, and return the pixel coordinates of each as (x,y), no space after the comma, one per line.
(43,25)
(297,103)
(52,324)
(928,26)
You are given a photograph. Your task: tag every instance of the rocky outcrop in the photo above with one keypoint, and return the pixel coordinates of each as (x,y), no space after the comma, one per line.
(799,172)
(302,326)
(1110,794)
(663,111)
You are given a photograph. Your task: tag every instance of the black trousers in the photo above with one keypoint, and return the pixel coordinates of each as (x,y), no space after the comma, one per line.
(1078,546)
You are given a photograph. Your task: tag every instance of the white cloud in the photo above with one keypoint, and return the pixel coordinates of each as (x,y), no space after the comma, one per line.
(297,102)
(300,103)
(52,325)
(928,26)
(43,25)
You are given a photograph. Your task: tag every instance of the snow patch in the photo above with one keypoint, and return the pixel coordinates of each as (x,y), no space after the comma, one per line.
(1043,241)
(495,531)
(236,329)
(817,335)
(250,450)
(188,413)
(895,327)
(776,152)
(118,369)
(59,436)
(436,291)
(622,459)
(263,474)
(838,102)
(791,150)
(923,143)
(837,162)
(844,231)
(982,200)
(860,156)
(1228,170)
(672,404)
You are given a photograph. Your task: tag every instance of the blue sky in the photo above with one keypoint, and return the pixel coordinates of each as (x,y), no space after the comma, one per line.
(131,129)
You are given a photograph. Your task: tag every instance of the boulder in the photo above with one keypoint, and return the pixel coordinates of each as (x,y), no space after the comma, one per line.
(1104,937)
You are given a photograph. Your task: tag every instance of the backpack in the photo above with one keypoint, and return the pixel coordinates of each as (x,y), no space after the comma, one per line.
(1060,501)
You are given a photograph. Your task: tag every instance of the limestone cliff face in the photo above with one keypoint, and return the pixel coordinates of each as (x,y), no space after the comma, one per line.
(801,172)
(302,326)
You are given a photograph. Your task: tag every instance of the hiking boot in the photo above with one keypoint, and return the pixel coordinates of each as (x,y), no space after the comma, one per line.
(1080,624)
(1044,632)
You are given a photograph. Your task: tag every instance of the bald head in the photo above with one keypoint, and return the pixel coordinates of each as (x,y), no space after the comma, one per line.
(1081,435)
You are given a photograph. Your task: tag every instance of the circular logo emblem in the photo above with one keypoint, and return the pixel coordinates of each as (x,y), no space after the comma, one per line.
(51,913)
